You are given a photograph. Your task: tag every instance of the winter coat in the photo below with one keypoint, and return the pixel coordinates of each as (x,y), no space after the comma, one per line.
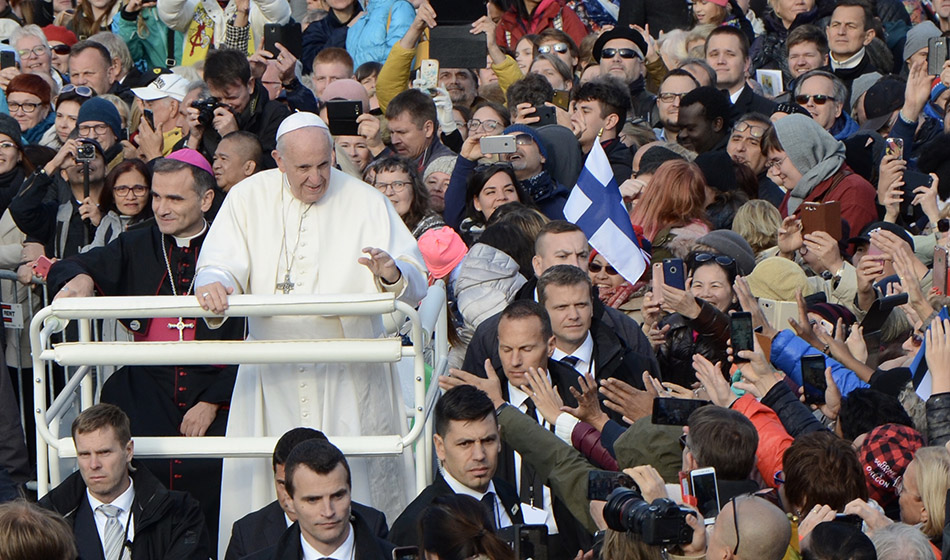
(327,32)
(373,35)
(676,241)
(707,334)
(787,352)
(487,282)
(548,14)
(938,419)
(857,196)
(150,45)
(773,439)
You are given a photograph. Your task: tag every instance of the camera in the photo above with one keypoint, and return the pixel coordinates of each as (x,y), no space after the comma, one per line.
(206,109)
(662,522)
(85,152)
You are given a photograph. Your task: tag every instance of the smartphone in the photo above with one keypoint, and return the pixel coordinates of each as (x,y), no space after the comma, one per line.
(813,378)
(913,180)
(601,483)
(668,411)
(41,266)
(674,273)
(937,54)
(822,216)
(288,35)
(874,250)
(894,147)
(149,118)
(873,341)
(881,285)
(503,144)
(562,99)
(850,519)
(765,345)
(740,324)
(940,270)
(429,74)
(341,117)
(7,59)
(546,114)
(777,313)
(406,553)
(705,488)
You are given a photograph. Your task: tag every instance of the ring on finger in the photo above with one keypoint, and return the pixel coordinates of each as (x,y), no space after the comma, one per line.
(206,294)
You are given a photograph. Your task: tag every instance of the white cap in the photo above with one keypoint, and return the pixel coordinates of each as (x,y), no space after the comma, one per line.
(164,85)
(300,120)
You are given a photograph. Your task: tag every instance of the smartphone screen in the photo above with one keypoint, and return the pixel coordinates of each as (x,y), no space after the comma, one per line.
(674,412)
(813,378)
(706,491)
(894,147)
(741,334)
(674,273)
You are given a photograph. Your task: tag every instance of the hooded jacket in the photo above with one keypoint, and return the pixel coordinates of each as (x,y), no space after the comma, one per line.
(487,282)
(327,32)
(547,14)
(373,35)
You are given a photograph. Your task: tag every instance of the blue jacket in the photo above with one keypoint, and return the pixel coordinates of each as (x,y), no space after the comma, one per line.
(787,352)
(844,127)
(327,32)
(372,36)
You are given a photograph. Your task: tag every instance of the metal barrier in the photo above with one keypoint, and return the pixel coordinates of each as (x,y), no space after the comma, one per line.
(428,329)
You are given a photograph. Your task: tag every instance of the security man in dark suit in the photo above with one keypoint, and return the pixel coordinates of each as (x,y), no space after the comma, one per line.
(263,528)
(467,443)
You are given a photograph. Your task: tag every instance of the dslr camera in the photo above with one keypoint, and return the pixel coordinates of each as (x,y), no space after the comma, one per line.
(206,109)
(660,523)
(85,152)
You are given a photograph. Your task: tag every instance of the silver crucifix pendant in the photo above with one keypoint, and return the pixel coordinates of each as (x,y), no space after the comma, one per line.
(286,286)
(181,325)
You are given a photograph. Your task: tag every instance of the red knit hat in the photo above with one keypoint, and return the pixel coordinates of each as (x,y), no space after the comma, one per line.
(885,454)
(33,84)
(60,34)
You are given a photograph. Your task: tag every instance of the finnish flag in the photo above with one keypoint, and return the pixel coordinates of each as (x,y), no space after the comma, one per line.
(596,206)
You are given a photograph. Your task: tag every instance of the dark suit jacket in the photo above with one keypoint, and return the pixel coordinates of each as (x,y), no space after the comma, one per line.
(751,102)
(404,531)
(263,528)
(367,546)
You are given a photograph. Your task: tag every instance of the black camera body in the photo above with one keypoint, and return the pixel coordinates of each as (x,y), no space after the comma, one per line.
(660,523)
(206,109)
(85,152)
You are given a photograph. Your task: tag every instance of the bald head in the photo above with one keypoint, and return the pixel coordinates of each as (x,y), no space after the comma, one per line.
(764,531)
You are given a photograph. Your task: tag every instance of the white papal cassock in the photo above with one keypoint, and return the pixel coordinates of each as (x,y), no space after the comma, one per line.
(253,239)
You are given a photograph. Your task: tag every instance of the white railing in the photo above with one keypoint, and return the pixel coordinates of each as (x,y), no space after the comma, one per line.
(428,330)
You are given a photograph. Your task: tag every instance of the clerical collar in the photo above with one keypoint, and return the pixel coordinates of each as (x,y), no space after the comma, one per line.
(460,488)
(849,63)
(186,241)
(346,551)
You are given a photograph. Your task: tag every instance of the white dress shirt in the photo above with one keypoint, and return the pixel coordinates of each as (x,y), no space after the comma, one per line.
(518,399)
(124,503)
(346,551)
(584,353)
(501,515)
(733,97)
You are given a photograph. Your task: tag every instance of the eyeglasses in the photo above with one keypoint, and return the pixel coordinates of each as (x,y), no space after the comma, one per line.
(754,131)
(38,50)
(819,99)
(87,129)
(556,47)
(775,162)
(595,268)
(461,124)
(624,53)
(8,146)
(138,190)
(735,522)
(61,49)
(27,108)
(489,125)
(723,260)
(397,186)
(669,96)
(82,91)
(683,443)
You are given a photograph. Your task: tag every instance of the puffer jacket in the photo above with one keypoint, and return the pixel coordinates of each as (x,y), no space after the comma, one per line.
(773,439)
(707,334)
(787,352)
(487,282)
(547,14)
(938,419)
(373,35)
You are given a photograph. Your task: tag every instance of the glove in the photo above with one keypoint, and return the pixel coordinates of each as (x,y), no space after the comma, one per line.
(443,108)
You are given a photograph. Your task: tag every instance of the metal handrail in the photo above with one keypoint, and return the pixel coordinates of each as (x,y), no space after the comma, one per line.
(87,352)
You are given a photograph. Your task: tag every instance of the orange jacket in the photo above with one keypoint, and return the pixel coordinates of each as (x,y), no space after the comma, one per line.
(773,439)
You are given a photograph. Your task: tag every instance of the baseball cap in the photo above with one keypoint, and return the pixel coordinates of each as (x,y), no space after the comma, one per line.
(164,85)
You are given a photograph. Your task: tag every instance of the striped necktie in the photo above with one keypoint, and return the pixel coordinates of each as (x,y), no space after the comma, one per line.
(114,536)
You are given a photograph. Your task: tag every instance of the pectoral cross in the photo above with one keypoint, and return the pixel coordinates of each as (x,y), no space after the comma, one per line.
(286,286)
(181,325)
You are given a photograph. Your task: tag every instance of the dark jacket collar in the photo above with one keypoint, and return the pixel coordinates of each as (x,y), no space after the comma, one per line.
(366,545)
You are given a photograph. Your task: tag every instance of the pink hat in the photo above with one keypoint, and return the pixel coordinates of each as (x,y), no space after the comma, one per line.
(442,250)
(191,157)
(351,90)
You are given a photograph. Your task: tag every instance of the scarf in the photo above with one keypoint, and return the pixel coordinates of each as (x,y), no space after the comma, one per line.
(812,150)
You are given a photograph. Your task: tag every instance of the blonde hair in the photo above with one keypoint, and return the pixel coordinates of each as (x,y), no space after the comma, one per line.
(758,222)
(672,47)
(932,467)
(628,546)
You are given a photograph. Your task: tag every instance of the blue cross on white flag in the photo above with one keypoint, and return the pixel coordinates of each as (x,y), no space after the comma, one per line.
(596,206)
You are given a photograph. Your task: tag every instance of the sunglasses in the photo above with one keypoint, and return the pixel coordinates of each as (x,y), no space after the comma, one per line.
(61,49)
(556,47)
(819,99)
(754,131)
(82,91)
(624,53)
(722,260)
(595,268)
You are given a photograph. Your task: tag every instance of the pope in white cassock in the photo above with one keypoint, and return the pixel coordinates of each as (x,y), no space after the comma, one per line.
(302,229)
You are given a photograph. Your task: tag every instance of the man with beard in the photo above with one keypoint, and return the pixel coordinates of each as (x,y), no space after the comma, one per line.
(528,161)
(413,128)
(461,83)
(677,83)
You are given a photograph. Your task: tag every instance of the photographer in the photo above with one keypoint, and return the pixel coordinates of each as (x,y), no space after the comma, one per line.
(238,102)
(63,226)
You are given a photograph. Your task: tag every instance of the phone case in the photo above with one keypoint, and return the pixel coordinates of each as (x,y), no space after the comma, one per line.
(429,74)
(822,216)
(674,274)
(341,117)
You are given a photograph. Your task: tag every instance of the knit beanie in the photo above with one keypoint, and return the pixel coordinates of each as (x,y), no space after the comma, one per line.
(442,250)
(885,454)
(918,37)
(32,84)
(444,164)
(733,245)
(98,109)
(778,279)
(517,129)
(10,127)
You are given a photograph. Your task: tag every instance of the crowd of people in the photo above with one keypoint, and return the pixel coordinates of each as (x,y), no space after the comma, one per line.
(785,168)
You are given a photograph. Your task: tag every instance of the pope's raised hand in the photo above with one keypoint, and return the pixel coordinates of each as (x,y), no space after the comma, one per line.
(381,265)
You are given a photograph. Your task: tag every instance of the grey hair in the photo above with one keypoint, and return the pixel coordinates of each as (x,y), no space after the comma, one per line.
(31,30)
(200,85)
(281,145)
(116,47)
(900,541)
(710,73)
(840,90)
